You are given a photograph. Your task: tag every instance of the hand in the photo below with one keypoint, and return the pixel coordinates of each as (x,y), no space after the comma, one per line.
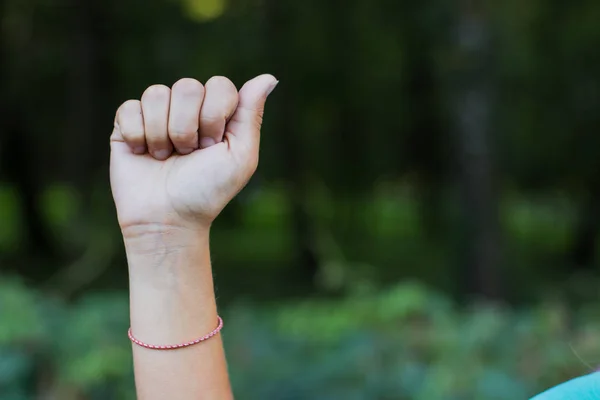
(180,155)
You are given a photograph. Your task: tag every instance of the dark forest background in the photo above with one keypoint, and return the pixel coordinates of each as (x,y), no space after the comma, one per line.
(427,199)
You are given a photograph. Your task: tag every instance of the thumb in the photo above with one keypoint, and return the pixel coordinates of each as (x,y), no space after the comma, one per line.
(244,127)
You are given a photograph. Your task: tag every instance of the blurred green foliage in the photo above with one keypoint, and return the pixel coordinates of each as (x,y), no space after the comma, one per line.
(393,246)
(406,342)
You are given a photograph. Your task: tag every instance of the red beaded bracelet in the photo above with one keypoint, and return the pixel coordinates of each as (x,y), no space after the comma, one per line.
(176,346)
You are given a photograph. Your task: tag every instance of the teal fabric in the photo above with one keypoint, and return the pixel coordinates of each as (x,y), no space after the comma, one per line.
(583,388)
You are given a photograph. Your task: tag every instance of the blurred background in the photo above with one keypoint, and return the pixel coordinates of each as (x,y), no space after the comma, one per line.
(423,225)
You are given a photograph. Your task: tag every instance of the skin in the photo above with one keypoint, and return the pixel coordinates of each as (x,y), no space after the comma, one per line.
(178,156)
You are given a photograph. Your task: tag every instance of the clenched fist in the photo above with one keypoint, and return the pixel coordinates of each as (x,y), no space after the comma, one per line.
(180,154)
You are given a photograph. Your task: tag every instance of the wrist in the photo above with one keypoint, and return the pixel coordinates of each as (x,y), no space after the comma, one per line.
(162,240)
(171,287)
(164,257)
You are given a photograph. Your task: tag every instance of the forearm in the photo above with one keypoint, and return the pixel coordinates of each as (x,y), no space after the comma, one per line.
(172,301)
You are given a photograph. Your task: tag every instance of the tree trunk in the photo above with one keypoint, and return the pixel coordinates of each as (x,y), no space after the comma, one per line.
(19,165)
(473,105)
(80,128)
(425,134)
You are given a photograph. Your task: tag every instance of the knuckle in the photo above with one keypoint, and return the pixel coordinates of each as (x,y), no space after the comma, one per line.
(133,135)
(156,91)
(250,115)
(220,81)
(130,106)
(260,114)
(188,86)
(213,118)
(178,133)
(157,141)
(183,127)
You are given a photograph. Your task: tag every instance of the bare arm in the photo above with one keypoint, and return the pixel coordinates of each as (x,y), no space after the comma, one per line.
(178,156)
(172,302)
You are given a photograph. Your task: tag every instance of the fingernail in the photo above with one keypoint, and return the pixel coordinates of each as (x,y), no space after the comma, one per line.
(139,150)
(273,86)
(185,151)
(162,154)
(207,142)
